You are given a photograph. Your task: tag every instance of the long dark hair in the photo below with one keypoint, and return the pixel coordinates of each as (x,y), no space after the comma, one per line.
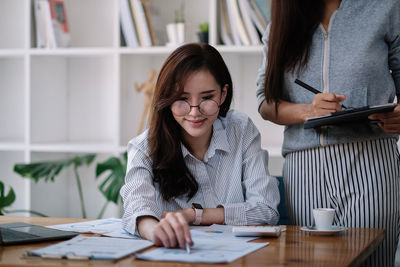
(169,168)
(293,24)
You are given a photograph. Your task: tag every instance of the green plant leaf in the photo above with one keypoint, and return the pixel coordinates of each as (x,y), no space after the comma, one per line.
(203,27)
(112,183)
(6,200)
(48,170)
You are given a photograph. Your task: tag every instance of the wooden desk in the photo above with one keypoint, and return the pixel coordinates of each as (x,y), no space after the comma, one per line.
(292,248)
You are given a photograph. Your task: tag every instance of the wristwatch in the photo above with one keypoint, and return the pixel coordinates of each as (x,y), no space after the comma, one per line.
(198,211)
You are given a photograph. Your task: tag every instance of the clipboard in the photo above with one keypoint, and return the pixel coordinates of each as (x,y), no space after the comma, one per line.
(90,248)
(348,115)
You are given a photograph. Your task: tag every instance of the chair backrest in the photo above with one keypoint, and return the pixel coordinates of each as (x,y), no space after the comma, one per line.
(284,219)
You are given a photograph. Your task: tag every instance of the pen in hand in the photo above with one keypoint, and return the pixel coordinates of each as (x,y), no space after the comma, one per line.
(310,88)
(187,248)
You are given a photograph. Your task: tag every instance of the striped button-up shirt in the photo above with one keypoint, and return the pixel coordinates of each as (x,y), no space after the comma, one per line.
(234,174)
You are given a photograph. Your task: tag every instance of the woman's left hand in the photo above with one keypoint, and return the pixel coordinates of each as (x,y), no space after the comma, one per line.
(389,121)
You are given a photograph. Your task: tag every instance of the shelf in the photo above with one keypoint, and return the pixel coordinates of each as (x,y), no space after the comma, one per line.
(166,50)
(12,146)
(153,50)
(12,53)
(77,148)
(240,49)
(73,51)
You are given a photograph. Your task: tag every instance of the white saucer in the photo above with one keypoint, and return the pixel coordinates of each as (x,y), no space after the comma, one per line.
(334,230)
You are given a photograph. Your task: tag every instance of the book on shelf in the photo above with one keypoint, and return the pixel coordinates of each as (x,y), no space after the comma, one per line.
(226,36)
(257,17)
(248,23)
(238,22)
(265,8)
(146,8)
(127,26)
(232,24)
(59,20)
(45,37)
(141,23)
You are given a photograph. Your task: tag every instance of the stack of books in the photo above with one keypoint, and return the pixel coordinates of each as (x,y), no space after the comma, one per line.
(136,25)
(243,22)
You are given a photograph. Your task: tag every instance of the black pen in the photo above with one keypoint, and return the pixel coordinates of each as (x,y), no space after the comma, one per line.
(310,88)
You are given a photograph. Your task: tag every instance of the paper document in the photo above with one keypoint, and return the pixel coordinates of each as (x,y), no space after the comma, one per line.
(204,251)
(111,227)
(86,248)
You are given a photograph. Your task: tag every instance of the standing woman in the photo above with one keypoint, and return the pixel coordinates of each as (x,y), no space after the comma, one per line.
(199,163)
(350,50)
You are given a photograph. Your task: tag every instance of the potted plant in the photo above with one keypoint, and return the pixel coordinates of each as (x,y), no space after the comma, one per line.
(176,30)
(203,33)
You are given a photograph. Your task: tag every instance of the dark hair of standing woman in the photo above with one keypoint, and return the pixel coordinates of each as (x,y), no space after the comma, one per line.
(293,24)
(165,137)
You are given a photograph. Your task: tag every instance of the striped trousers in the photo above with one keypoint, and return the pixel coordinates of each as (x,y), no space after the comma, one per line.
(360,180)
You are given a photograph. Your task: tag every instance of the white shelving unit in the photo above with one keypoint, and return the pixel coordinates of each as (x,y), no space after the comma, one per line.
(55,103)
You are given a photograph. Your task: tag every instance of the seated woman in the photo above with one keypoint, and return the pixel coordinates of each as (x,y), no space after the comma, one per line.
(199,162)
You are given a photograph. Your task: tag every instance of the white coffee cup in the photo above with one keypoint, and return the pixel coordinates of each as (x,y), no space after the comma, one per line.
(323,218)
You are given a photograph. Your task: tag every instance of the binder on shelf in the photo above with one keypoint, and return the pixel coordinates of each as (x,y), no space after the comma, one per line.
(59,23)
(251,30)
(141,23)
(238,23)
(127,26)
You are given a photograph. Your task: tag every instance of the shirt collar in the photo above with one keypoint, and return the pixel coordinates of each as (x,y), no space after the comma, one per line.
(219,141)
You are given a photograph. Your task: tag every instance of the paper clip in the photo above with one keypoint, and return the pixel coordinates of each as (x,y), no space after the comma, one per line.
(52,256)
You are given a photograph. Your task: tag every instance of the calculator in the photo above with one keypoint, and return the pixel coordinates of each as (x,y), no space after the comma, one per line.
(257,231)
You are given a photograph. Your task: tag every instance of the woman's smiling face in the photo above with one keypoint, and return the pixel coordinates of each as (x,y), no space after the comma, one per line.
(199,86)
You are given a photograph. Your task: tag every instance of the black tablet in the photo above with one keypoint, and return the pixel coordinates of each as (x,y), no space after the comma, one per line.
(20,233)
(348,115)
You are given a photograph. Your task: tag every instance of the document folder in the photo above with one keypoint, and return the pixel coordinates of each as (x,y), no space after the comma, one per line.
(91,248)
(348,115)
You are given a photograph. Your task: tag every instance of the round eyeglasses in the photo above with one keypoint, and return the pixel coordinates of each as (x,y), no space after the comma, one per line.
(207,107)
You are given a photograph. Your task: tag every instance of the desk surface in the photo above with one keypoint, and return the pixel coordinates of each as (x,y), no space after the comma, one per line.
(293,248)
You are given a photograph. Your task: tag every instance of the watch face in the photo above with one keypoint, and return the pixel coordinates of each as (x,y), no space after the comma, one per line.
(197,206)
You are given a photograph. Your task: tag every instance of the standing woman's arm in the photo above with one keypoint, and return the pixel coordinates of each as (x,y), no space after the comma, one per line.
(288,112)
(390,121)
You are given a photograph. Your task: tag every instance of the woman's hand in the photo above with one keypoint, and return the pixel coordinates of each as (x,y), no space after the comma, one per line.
(172,230)
(389,121)
(324,104)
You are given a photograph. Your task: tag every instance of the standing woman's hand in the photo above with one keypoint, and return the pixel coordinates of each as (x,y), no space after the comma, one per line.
(324,104)
(389,121)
